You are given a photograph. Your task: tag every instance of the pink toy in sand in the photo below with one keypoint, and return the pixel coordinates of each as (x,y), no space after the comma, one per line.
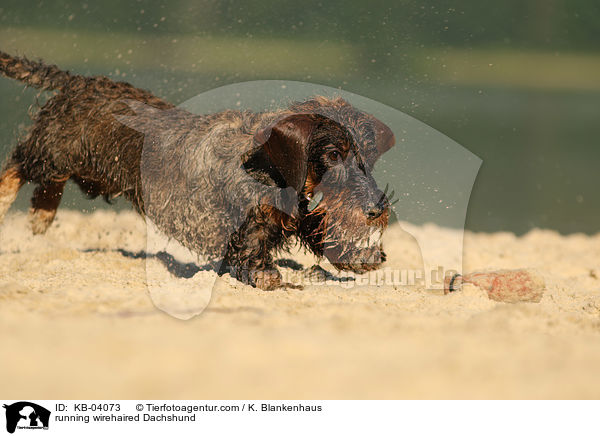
(509,286)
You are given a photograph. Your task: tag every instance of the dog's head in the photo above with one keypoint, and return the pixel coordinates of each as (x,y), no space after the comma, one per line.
(326,149)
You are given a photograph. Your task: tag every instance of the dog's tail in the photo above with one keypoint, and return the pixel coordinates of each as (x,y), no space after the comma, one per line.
(36,74)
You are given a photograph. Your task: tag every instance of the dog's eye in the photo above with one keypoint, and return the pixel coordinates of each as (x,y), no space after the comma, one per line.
(334,155)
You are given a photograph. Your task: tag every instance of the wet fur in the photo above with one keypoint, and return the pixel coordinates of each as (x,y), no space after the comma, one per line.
(217,183)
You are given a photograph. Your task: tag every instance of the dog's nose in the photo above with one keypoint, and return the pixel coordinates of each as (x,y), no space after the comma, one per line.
(375,210)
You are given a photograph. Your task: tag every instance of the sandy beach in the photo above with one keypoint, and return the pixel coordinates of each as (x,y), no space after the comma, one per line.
(76,321)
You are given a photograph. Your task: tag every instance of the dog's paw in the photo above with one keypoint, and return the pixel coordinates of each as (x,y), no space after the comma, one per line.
(267,280)
(40,220)
(361,261)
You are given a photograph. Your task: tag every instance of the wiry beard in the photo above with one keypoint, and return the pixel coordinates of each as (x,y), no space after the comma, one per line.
(345,237)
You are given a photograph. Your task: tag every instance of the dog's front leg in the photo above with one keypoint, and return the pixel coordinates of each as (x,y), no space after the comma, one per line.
(249,257)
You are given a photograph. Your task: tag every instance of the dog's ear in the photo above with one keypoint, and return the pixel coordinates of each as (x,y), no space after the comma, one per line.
(384,137)
(282,150)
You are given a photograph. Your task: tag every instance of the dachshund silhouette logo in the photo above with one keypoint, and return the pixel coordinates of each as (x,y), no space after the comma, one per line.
(26,415)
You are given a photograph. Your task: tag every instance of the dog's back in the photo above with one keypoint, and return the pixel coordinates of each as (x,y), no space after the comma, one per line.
(75,135)
(182,170)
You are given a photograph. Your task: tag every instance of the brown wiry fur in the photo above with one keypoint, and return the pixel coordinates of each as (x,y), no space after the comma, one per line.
(234,185)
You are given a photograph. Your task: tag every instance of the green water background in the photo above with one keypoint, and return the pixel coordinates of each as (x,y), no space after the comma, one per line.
(516,83)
